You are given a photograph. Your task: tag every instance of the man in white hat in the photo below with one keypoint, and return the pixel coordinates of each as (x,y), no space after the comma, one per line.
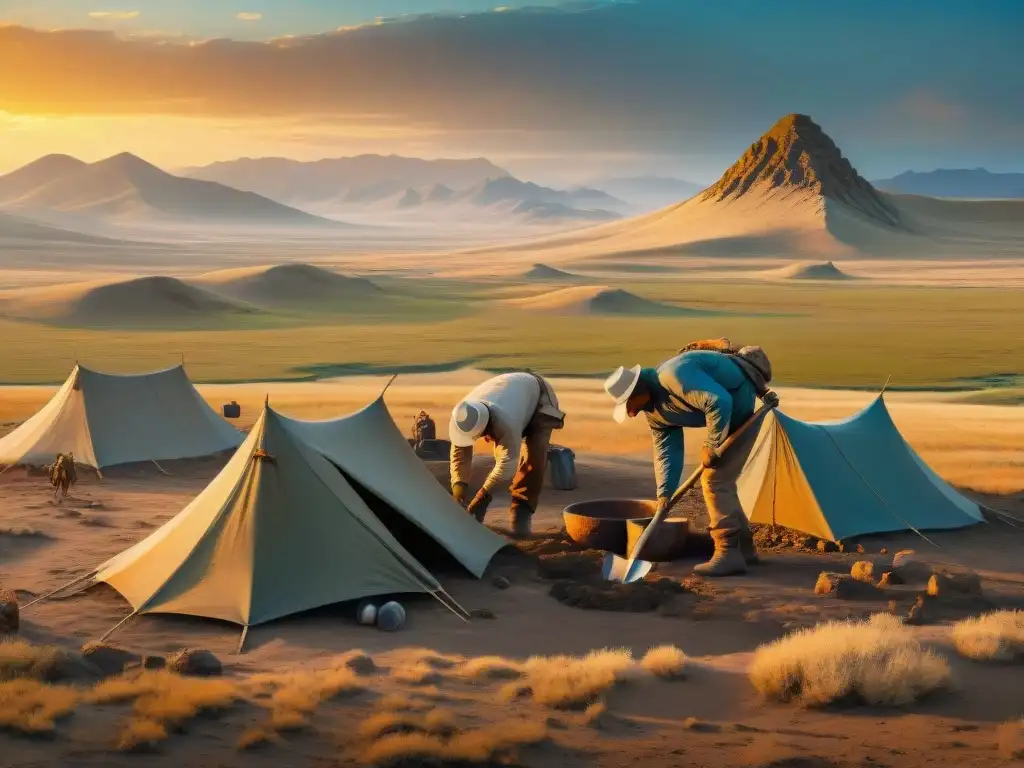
(509,411)
(711,387)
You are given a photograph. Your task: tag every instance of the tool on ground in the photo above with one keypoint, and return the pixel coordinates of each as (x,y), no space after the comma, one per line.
(626,570)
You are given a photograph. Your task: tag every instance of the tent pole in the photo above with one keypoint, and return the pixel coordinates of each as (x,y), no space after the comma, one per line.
(241,642)
(119,624)
(395,376)
(448,606)
(451,601)
(160,468)
(48,595)
(885,386)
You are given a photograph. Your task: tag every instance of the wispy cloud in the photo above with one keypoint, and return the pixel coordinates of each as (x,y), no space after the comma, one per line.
(247,16)
(115,15)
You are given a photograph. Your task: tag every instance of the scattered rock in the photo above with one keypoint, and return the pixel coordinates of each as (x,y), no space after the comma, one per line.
(889,578)
(693,724)
(910,568)
(482,613)
(10,613)
(775,538)
(109,659)
(500,582)
(917,614)
(154,662)
(946,583)
(826,546)
(197,663)
(361,664)
(863,570)
(860,549)
(844,587)
(883,551)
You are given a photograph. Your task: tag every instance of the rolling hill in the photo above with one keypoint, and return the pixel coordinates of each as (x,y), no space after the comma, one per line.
(142,302)
(595,300)
(809,270)
(545,273)
(289,286)
(127,187)
(25,231)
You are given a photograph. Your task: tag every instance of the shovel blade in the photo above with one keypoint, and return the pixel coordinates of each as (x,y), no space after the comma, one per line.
(624,570)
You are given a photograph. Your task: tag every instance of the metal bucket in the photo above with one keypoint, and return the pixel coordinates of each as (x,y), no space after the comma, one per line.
(601,523)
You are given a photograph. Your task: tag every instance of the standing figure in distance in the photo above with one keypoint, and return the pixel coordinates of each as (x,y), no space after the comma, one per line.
(515,413)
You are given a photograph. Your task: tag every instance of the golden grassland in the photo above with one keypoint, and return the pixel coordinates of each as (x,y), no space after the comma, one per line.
(817,335)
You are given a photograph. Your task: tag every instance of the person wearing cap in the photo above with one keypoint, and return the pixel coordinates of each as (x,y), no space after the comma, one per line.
(516,413)
(701,387)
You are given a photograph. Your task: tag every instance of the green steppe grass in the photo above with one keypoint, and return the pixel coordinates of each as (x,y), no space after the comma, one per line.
(817,335)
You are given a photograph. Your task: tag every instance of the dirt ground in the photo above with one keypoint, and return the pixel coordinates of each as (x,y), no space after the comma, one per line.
(543,596)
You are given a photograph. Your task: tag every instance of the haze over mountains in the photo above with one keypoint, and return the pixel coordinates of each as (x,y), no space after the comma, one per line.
(392,184)
(965,183)
(127,188)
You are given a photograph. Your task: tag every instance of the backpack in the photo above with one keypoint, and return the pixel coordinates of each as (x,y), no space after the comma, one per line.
(752,359)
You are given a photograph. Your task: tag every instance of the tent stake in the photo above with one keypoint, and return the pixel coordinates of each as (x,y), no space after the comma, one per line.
(241,642)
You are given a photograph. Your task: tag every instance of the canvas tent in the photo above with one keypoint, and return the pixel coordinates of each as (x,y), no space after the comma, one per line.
(277,532)
(368,447)
(109,419)
(846,478)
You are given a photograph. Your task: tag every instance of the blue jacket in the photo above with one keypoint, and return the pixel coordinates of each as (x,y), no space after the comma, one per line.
(693,389)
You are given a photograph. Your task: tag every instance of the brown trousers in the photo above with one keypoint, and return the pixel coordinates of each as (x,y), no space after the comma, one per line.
(533,461)
(719,484)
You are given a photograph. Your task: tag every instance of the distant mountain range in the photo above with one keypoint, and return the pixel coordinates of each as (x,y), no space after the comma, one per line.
(956,182)
(648,192)
(406,184)
(127,188)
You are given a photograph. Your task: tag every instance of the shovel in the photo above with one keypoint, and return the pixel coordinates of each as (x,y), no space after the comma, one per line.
(627,570)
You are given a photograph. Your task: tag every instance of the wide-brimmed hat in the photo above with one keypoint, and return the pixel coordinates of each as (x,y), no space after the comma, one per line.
(620,386)
(469,420)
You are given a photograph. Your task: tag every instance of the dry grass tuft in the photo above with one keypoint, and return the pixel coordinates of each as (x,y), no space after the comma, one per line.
(568,682)
(666,662)
(477,746)
(490,668)
(47,663)
(877,662)
(165,698)
(997,636)
(141,734)
(437,722)
(31,707)
(416,673)
(1011,740)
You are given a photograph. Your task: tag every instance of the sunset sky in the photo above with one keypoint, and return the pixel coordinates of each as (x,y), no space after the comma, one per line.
(559,93)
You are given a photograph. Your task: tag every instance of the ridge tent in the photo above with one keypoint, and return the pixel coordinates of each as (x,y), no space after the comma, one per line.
(277,532)
(108,419)
(375,457)
(846,478)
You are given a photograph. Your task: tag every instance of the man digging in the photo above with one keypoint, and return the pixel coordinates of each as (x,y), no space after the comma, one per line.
(713,384)
(516,413)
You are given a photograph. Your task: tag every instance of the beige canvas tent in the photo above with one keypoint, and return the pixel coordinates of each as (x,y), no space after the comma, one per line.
(846,478)
(368,447)
(109,419)
(277,532)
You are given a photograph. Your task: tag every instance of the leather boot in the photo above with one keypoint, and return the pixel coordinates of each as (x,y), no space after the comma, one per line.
(748,548)
(520,519)
(728,559)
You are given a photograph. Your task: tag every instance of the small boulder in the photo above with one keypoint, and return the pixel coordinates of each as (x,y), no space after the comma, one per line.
(10,613)
(500,582)
(954,583)
(889,578)
(482,613)
(863,570)
(844,587)
(197,663)
(917,614)
(154,662)
(109,659)
(883,551)
(909,566)
(826,546)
